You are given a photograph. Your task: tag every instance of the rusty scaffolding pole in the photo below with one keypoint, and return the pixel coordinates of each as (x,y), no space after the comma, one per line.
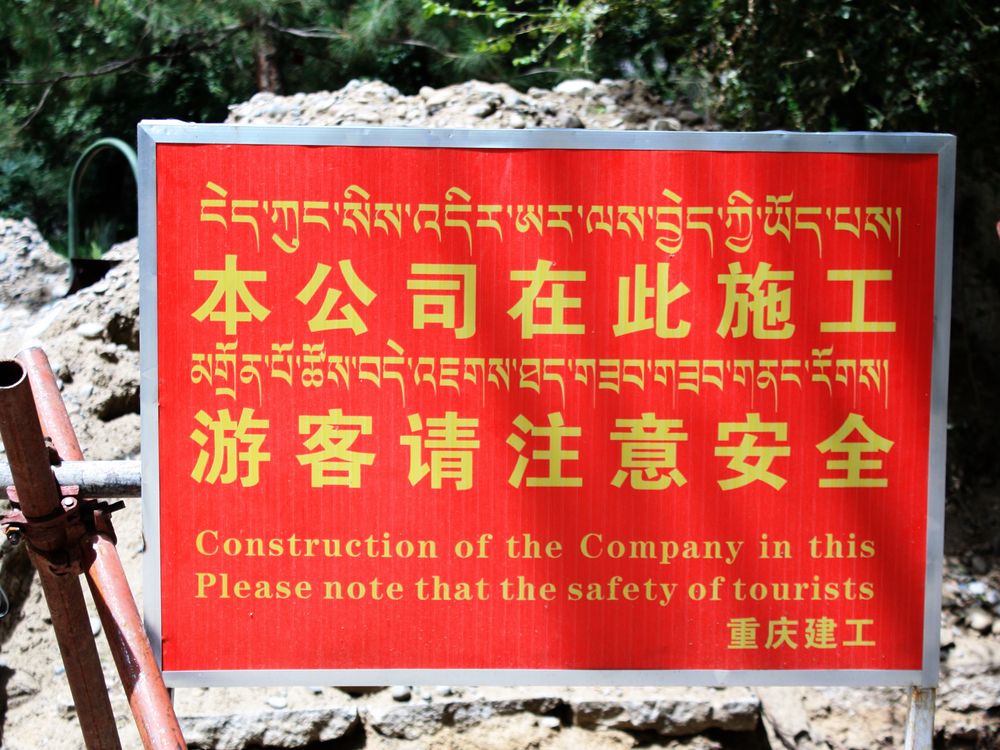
(68,535)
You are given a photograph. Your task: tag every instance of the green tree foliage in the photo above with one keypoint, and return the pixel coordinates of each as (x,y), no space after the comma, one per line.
(542,42)
(73,72)
(760,64)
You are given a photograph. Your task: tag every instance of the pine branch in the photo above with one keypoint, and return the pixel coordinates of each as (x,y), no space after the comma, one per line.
(341,35)
(38,108)
(313,33)
(115,66)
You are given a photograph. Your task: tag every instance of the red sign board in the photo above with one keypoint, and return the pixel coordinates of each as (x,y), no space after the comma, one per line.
(613,405)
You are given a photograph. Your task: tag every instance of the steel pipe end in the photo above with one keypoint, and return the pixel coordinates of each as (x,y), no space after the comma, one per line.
(11,373)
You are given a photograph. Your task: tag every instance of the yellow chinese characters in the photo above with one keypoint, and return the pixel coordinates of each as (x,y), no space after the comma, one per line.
(442,448)
(450,441)
(752,461)
(437,305)
(784,633)
(557,303)
(781,632)
(230,449)
(635,317)
(649,452)
(349,317)
(229,292)
(854,438)
(757,302)
(859,279)
(743,632)
(553,455)
(820,632)
(330,439)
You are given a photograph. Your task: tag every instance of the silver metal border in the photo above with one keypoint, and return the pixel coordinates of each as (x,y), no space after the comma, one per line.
(937,465)
(153,132)
(175,131)
(545,677)
(149,397)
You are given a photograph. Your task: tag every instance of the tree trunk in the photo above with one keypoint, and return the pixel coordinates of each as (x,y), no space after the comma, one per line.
(266,54)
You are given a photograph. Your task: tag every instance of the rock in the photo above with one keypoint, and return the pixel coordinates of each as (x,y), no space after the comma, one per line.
(974,655)
(31,273)
(437,100)
(90,330)
(570,121)
(979,565)
(416,720)
(400,693)
(976,588)
(21,686)
(271,729)
(689,117)
(549,722)
(98,359)
(511,98)
(358,690)
(366,115)
(786,720)
(979,619)
(407,722)
(323,104)
(482,109)
(575,87)
(967,696)
(947,638)
(950,592)
(698,711)
(665,123)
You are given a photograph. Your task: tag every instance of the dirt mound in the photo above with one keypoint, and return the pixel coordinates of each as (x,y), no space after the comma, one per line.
(607,105)
(31,274)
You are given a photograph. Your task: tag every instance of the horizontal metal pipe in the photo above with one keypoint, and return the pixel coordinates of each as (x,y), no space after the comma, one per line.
(97,479)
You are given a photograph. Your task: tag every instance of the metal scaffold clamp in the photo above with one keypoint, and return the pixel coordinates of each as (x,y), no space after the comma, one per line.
(59,537)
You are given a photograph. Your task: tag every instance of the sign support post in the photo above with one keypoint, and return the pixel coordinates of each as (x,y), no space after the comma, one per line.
(920,719)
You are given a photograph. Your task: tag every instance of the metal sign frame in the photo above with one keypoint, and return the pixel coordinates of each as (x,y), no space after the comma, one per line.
(152,133)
